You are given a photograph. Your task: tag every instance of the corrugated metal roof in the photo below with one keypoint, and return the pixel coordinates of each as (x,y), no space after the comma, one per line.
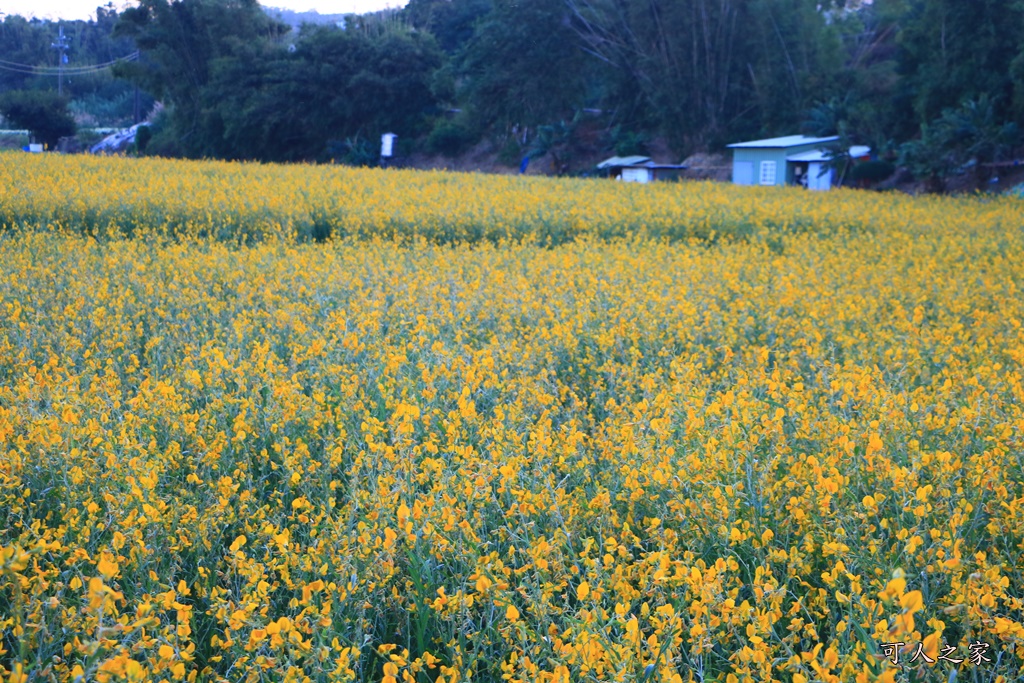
(657,166)
(812,155)
(856,152)
(783,142)
(623,161)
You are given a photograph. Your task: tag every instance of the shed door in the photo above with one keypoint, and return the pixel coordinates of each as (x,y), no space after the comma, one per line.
(635,175)
(818,177)
(743,172)
(767,173)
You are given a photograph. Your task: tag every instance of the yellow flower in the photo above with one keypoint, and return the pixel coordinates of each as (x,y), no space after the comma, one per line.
(107,567)
(747,404)
(912,602)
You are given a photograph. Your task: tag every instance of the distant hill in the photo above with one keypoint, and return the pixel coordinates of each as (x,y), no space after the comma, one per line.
(296,19)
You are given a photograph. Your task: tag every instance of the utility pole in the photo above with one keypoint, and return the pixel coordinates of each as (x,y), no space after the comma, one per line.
(61,46)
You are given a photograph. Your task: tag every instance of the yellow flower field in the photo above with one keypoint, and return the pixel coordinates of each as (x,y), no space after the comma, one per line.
(264,423)
(244,203)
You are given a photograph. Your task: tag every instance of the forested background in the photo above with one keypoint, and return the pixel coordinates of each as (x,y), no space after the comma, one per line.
(932,84)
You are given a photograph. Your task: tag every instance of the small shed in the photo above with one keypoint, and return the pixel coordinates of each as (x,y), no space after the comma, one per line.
(639,169)
(764,162)
(811,169)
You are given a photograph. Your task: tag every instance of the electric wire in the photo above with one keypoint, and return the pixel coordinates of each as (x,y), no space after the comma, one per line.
(28,69)
(130,55)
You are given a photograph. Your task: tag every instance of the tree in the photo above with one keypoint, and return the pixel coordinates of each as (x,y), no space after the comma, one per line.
(44,113)
(25,43)
(708,70)
(450,21)
(238,92)
(179,41)
(28,62)
(268,103)
(864,100)
(523,66)
(970,135)
(952,50)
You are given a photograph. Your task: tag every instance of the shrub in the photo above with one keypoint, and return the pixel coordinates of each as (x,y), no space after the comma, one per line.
(874,171)
(449,138)
(628,142)
(143,135)
(45,114)
(354,151)
(511,152)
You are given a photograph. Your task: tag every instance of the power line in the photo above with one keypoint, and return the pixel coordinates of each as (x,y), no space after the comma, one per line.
(62,47)
(31,70)
(129,56)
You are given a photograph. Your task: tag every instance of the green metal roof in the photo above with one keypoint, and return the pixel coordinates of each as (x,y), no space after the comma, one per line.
(783,142)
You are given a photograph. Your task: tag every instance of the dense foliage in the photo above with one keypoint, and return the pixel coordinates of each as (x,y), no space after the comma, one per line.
(623,459)
(42,112)
(445,73)
(28,62)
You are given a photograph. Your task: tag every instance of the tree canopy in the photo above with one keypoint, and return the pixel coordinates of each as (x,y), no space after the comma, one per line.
(700,73)
(43,113)
(29,62)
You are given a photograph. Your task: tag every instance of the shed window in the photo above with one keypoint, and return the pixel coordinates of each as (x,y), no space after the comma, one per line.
(767,173)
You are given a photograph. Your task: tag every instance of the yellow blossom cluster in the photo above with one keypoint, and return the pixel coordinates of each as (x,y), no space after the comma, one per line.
(602,446)
(233,202)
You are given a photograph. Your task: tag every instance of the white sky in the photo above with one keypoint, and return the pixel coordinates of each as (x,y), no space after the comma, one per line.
(84,9)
